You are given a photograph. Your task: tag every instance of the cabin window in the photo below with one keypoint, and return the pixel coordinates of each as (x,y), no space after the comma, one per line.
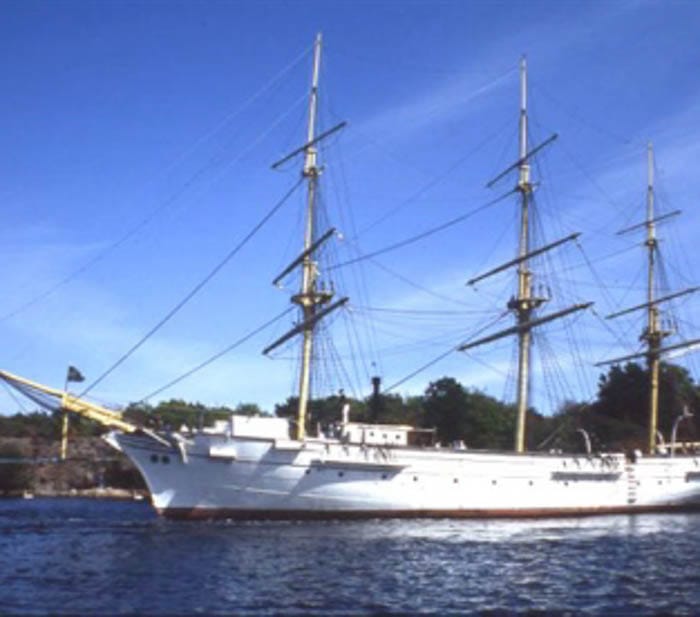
(165,459)
(154,458)
(341,474)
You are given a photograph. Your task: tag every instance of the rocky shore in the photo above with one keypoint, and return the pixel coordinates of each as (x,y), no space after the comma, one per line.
(32,467)
(120,494)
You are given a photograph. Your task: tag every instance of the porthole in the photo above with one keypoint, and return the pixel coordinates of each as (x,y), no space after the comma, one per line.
(531,482)
(494,482)
(341,474)
(307,472)
(384,476)
(154,458)
(455,481)
(165,459)
(415,478)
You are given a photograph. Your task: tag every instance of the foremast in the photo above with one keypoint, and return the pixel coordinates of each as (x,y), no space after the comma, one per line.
(525,302)
(313,298)
(309,298)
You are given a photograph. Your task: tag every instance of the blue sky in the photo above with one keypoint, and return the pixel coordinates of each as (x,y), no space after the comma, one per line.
(115,113)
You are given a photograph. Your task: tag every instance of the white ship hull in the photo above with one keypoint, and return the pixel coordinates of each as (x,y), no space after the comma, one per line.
(212,476)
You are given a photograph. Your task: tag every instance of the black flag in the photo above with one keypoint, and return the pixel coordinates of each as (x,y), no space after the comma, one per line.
(74,374)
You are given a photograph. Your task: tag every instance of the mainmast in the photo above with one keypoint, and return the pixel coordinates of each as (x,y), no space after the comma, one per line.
(524,303)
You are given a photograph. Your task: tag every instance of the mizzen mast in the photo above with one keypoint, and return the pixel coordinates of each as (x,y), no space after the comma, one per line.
(654,333)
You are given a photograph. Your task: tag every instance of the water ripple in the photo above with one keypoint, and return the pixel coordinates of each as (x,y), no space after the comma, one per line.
(78,557)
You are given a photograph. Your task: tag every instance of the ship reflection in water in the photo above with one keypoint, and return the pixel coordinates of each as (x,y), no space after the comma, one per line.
(80,556)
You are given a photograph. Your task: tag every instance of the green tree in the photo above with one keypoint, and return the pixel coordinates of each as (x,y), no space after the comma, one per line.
(390,409)
(472,416)
(321,411)
(562,431)
(493,423)
(174,413)
(249,409)
(445,406)
(622,406)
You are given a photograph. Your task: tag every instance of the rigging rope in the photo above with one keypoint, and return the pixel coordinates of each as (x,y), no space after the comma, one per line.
(432,182)
(425,234)
(585,264)
(49,291)
(420,369)
(574,113)
(14,397)
(197,288)
(216,356)
(399,311)
(417,286)
(441,356)
(357,275)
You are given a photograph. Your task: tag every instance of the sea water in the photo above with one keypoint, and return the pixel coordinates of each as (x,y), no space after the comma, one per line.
(74,556)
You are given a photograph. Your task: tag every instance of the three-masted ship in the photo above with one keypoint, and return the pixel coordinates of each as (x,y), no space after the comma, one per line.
(250,467)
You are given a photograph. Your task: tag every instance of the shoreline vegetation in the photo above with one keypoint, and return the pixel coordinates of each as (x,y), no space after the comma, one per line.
(614,421)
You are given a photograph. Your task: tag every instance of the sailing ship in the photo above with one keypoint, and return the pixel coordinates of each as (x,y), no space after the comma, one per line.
(250,467)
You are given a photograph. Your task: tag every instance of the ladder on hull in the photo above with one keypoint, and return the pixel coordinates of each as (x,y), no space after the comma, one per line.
(631,483)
